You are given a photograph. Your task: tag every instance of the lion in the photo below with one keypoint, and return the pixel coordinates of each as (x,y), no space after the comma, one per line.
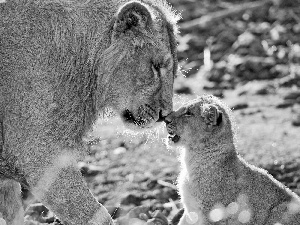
(62,64)
(216,185)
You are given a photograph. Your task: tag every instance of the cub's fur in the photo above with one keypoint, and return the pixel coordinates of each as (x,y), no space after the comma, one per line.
(216,185)
(63,62)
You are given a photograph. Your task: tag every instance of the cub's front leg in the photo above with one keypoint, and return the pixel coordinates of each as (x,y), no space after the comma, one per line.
(287,213)
(61,187)
(192,218)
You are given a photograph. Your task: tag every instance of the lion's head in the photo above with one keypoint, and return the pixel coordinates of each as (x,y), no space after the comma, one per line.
(137,69)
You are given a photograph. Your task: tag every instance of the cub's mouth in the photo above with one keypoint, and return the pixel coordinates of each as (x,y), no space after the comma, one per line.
(173,137)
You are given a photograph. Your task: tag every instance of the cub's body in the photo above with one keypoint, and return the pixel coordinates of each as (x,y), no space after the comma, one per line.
(215,184)
(259,198)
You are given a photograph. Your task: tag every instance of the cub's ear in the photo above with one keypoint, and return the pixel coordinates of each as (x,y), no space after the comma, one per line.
(132,15)
(212,115)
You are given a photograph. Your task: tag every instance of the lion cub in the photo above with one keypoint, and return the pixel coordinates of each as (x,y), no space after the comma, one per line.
(216,185)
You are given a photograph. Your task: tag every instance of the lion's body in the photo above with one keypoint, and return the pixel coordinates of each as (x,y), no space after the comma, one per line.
(215,184)
(61,64)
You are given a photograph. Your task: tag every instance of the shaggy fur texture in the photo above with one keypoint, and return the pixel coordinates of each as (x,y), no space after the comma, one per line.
(62,62)
(216,185)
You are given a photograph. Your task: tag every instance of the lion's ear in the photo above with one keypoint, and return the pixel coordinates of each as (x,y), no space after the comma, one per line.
(133,15)
(212,115)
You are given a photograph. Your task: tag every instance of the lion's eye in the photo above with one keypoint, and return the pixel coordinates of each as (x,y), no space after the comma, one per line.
(156,70)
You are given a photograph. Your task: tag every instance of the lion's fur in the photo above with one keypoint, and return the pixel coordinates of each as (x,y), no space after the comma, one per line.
(215,177)
(62,62)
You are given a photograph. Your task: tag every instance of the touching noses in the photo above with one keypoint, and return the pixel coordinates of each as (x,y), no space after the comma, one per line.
(168,119)
(166,109)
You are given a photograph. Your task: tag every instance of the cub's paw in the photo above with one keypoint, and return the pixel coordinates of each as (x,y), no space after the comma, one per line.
(141,215)
(157,219)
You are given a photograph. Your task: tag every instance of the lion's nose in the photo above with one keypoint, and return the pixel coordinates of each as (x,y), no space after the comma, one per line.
(168,119)
(161,118)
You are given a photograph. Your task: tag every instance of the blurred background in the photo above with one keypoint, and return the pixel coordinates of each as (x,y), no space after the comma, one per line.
(245,52)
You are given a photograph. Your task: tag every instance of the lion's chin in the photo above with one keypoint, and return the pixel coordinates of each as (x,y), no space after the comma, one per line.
(138,127)
(137,123)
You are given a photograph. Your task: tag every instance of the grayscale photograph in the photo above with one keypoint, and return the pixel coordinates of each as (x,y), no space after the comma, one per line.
(149,112)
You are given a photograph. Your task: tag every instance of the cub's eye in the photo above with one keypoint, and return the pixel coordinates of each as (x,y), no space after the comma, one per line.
(188,113)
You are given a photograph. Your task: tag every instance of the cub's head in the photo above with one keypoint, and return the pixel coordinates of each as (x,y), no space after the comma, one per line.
(199,121)
(139,66)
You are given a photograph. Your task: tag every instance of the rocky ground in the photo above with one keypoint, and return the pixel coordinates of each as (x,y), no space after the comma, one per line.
(246,53)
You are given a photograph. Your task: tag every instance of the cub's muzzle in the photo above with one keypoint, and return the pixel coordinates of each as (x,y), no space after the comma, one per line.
(171,129)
